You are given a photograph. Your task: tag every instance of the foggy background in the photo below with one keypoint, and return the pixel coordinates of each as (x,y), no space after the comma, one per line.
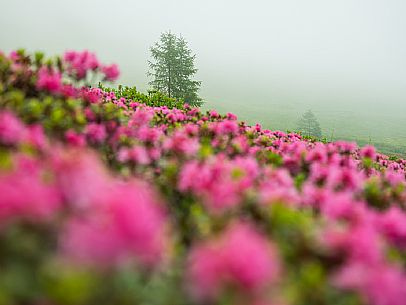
(266,61)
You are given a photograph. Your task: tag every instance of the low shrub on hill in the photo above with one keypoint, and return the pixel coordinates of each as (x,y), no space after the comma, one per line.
(154,98)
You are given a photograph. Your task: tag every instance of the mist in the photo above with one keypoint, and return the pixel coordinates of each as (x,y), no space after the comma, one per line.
(266,61)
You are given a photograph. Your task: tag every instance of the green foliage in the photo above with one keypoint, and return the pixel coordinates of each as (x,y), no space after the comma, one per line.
(154,98)
(172,68)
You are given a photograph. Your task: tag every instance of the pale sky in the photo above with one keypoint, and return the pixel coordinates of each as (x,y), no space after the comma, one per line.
(320,54)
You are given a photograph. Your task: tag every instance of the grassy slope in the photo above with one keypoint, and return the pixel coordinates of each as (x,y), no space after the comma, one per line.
(386,129)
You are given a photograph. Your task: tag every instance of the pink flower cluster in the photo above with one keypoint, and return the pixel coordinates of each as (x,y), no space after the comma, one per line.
(25,193)
(49,80)
(240,257)
(14,132)
(80,63)
(112,220)
(107,220)
(221,183)
(126,222)
(216,183)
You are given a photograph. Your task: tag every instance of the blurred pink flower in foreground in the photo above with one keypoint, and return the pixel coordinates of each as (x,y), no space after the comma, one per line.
(240,257)
(12,131)
(24,193)
(379,284)
(117,220)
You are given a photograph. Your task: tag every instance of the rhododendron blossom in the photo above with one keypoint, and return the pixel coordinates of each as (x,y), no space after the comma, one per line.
(26,194)
(12,131)
(111,72)
(240,256)
(79,63)
(126,221)
(381,285)
(49,80)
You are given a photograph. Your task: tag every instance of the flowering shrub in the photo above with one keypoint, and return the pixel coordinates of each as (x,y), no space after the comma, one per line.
(114,197)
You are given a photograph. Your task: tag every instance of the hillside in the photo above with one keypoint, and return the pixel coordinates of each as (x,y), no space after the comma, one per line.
(117,197)
(383,127)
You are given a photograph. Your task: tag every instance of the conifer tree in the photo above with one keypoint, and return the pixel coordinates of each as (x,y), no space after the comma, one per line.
(308,125)
(172,68)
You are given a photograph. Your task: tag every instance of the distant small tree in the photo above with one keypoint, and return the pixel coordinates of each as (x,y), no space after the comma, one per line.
(172,68)
(308,125)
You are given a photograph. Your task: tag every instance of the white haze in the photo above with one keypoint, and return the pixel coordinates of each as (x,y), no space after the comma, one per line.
(268,61)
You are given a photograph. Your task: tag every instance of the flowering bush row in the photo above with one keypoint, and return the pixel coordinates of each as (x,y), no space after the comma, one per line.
(106,198)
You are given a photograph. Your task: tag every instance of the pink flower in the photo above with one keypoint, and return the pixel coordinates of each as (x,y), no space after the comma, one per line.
(81,178)
(214,114)
(74,138)
(318,154)
(395,178)
(380,284)
(25,194)
(179,142)
(240,144)
(49,80)
(96,132)
(225,127)
(69,91)
(221,183)
(14,55)
(121,103)
(231,116)
(111,72)
(191,129)
(138,154)
(92,95)
(79,63)
(345,147)
(69,56)
(175,115)
(343,206)
(368,152)
(336,177)
(12,131)
(141,117)
(79,234)
(128,224)
(149,135)
(245,171)
(361,242)
(278,187)
(240,256)
(392,223)
(36,136)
